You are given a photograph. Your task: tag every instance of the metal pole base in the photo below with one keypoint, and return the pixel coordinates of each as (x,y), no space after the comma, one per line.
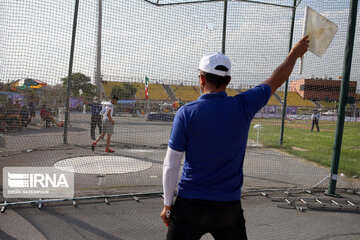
(332,194)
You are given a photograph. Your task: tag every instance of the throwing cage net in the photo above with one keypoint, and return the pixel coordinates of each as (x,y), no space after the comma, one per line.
(147,53)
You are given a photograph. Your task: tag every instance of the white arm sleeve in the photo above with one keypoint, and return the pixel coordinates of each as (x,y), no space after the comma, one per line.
(171,168)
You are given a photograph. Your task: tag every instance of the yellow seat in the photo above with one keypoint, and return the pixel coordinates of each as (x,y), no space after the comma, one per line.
(156,92)
(108,87)
(140,90)
(186,93)
(294,100)
(231,92)
(325,104)
(273,101)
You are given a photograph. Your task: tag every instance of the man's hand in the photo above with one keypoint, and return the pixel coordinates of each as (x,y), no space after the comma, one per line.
(163,215)
(300,47)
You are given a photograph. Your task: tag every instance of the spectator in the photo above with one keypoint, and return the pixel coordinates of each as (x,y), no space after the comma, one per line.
(2,118)
(96,118)
(10,114)
(9,107)
(32,111)
(17,107)
(46,116)
(25,116)
(2,109)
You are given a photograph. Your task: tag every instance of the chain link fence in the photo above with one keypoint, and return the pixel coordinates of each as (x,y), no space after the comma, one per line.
(148,56)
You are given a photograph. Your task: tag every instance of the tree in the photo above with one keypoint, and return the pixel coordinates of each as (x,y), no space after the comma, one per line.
(54,96)
(80,81)
(124,91)
(117,91)
(32,95)
(5,87)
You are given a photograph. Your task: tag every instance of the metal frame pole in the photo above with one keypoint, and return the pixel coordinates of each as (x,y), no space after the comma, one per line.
(98,53)
(223,43)
(158,4)
(343,97)
(284,103)
(75,200)
(70,71)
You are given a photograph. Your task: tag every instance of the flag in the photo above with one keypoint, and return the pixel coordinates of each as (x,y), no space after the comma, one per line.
(321,31)
(146,88)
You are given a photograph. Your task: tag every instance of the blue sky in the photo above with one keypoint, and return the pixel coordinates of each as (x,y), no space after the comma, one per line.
(164,43)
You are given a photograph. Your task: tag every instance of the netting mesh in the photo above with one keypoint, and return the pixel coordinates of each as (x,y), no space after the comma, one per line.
(164,44)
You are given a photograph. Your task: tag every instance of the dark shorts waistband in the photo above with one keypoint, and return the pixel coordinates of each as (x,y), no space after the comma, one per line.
(203,202)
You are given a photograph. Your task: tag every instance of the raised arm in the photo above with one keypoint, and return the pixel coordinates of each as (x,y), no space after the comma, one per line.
(282,72)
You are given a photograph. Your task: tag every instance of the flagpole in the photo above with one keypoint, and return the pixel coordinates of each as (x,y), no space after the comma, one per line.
(146,93)
(98,79)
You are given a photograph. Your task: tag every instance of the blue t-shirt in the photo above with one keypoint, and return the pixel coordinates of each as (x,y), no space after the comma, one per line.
(213,132)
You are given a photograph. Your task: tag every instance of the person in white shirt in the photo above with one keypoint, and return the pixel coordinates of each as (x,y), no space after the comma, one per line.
(108,124)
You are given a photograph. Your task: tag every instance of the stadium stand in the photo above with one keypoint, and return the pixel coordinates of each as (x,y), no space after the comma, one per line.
(294,100)
(231,92)
(169,92)
(197,90)
(185,93)
(325,104)
(108,85)
(316,103)
(273,101)
(191,93)
(140,90)
(157,92)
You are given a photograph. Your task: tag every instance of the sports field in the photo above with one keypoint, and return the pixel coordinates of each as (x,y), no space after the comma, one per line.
(313,146)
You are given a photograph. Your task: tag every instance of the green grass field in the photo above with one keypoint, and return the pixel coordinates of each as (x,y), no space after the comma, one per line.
(313,146)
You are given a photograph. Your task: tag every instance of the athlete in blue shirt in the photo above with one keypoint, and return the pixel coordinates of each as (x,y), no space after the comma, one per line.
(212,132)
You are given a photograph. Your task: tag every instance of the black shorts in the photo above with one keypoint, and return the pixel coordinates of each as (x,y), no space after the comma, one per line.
(192,218)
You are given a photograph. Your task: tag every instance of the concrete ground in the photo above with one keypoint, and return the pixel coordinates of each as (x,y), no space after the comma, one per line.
(129,219)
(142,146)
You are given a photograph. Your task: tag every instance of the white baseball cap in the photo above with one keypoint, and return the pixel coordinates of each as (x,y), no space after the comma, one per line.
(209,63)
